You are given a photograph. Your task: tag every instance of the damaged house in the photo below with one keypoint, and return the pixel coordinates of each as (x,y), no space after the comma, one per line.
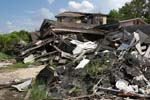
(80,17)
(82,44)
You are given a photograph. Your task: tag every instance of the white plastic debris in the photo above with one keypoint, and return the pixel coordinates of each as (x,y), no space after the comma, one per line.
(83,46)
(147,54)
(138,45)
(124,85)
(38,42)
(29,59)
(78,50)
(106,51)
(76,42)
(23,86)
(83,63)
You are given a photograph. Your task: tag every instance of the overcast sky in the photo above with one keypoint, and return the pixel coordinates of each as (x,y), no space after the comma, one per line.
(16,15)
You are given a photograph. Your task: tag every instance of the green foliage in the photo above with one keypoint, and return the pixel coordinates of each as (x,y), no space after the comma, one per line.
(15,66)
(8,40)
(133,9)
(97,66)
(19,65)
(74,90)
(4,56)
(114,16)
(37,92)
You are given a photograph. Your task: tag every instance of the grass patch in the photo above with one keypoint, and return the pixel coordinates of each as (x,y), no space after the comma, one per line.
(14,66)
(19,65)
(7,41)
(97,66)
(4,56)
(37,92)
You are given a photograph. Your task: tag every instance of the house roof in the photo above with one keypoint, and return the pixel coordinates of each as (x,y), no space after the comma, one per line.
(77,14)
(139,19)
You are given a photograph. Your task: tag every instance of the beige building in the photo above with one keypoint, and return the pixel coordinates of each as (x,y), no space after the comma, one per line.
(79,17)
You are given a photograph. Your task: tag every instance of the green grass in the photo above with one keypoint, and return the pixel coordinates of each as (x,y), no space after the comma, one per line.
(19,65)
(4,56)
(14,66)
(7,41)
(37,93)
(97,66)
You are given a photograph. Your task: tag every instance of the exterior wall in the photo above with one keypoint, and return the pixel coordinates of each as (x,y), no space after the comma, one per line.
(100,20)
(104,20)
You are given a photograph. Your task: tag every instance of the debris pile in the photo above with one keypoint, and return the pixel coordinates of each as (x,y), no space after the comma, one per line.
(91,61)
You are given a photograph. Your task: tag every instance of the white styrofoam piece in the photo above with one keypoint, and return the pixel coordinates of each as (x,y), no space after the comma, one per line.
(82,63)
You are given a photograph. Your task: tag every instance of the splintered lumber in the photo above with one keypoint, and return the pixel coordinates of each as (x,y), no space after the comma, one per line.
(36,47)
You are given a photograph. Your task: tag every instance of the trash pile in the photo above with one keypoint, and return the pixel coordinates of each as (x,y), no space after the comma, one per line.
(91,61)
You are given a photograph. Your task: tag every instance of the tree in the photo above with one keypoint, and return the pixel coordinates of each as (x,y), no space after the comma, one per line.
(8,40)
(114,16)
(134,9)
(148,12)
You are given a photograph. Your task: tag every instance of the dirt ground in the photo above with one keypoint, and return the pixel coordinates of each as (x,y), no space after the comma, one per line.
(9,94)
(19,74)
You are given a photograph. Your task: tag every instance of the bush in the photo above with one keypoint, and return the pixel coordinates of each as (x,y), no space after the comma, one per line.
(97,66)
(4,56)
(8,40)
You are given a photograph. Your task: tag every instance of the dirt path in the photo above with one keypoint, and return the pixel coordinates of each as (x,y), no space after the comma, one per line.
(19,74)
(7,94)
(23,73)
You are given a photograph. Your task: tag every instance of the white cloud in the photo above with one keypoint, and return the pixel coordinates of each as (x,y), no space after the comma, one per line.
(105,6)
(62,10)
(45,13)
(50,1)
(31,23)
(118,3)
(38,17)
(84,6)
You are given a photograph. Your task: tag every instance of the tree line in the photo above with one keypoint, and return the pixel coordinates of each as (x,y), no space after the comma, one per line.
(133,9)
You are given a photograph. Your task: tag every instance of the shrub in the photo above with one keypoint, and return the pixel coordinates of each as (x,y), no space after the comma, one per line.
(8,40)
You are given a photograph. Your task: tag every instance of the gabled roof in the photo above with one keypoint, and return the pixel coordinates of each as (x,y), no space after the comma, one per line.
(77,14)
(139,19)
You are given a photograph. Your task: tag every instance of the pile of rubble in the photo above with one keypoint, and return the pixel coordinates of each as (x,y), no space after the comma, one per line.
(91,61)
